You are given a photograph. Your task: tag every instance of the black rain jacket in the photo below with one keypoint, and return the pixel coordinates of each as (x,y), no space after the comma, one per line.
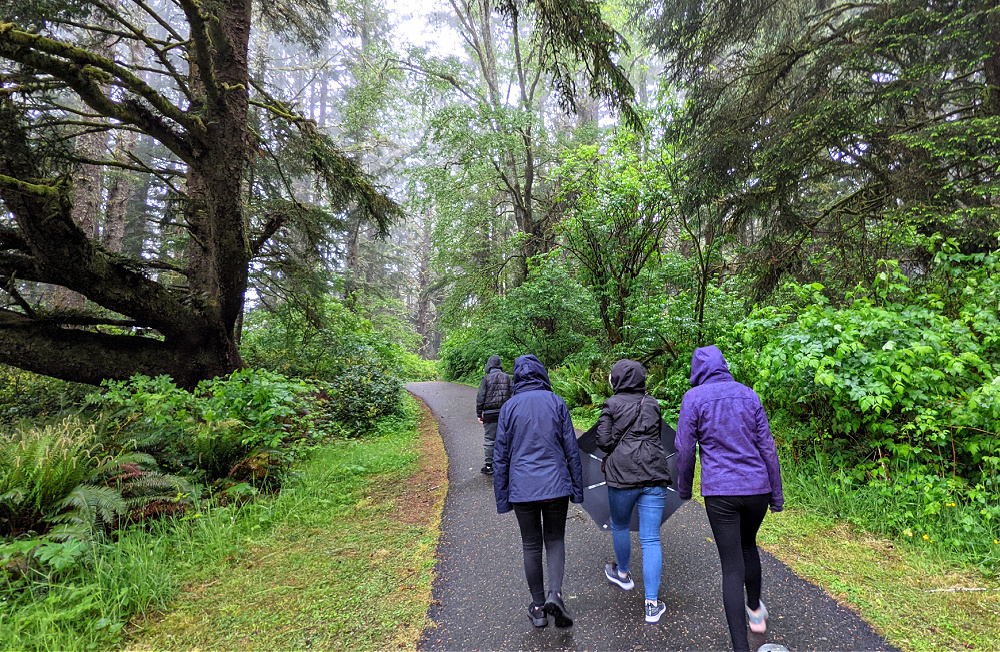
(631,436)
(494,390)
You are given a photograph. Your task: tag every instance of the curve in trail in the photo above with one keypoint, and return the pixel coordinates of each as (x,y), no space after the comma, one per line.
(480,596)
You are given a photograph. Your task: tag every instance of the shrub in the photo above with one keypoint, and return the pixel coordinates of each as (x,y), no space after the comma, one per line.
(214,427)
(892,396)
(27,396)
(363,369)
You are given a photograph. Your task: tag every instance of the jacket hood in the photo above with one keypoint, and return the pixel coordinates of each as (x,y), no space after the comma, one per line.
(628,376)
(530,374)
(493,364)
(708,365)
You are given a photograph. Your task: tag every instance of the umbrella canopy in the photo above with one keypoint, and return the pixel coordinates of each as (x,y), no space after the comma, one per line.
(595,492)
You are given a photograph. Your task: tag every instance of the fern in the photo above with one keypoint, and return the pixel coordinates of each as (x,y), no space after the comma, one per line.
(90,507)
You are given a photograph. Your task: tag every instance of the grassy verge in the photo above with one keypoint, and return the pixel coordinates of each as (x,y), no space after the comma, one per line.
(917,600)
(347,563)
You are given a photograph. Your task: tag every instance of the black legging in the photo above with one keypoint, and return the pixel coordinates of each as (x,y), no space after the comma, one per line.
(735,521)
(543,522)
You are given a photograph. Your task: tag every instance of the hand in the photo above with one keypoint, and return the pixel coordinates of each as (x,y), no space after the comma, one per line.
(479,419)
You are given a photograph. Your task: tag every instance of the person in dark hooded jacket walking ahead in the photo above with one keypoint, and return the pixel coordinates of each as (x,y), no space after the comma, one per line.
(740,478)
(637,474)
(494,390)
(537,471)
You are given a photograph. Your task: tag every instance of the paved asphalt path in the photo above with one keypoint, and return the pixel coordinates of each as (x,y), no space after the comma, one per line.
(480,596)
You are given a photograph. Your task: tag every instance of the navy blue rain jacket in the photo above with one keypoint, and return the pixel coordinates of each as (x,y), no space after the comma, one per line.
(535,456)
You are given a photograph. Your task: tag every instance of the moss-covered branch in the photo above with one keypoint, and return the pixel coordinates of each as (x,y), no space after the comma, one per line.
(86,73)
(199,18)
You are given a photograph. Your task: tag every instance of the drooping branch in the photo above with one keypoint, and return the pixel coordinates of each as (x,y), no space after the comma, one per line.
(89,357)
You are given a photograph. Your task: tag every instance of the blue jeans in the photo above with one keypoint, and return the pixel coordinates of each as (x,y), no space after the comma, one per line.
(651,501)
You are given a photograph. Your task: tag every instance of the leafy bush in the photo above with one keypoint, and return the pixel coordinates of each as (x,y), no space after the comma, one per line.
(321,347)
(212,428)
(895,393)
(550,315)
(362,368)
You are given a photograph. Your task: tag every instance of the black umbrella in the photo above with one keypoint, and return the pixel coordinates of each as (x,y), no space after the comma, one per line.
(595,492)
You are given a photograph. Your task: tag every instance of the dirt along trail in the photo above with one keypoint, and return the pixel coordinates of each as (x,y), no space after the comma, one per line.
(480,596)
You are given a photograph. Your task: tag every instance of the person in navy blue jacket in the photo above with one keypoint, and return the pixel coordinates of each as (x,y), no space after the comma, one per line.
(740,478)
(536,472)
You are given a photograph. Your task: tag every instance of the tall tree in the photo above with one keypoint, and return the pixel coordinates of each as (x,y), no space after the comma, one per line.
(495,129)
(834,133)
(180,312)
(619,207)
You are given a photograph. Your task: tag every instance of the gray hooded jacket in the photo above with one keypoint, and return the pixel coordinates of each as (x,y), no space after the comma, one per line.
(629,430)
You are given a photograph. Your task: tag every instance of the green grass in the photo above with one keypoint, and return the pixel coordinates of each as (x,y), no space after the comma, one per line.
(328,561)
(339,569)
(908,594)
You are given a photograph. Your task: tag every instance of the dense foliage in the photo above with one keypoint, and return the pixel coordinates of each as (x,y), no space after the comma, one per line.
(894,390)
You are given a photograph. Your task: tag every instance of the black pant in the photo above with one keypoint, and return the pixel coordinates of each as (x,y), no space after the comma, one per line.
(735,521)
(543,522)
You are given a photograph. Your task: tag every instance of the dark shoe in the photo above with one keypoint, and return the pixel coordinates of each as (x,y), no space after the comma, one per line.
(654,611)
(537,615)
(487,469)
(611,572)
(554,605)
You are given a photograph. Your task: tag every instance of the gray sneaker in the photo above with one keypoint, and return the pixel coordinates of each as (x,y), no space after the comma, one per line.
(611,572)
(654,611)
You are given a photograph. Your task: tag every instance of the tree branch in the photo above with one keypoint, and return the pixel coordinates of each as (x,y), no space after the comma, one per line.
(82,71)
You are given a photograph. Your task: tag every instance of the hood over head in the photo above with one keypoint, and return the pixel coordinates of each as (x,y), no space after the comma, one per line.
(493,364)
(708,365)
(628,376)
(530,374)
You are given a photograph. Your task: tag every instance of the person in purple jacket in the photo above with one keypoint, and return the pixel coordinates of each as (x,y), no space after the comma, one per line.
(740,478)
(536,473)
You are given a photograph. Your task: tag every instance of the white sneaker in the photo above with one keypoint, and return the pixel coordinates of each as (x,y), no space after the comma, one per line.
(611,572)
(654,611)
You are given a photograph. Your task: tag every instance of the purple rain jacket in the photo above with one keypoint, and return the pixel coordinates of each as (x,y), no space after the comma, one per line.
(535,456)
(726,419)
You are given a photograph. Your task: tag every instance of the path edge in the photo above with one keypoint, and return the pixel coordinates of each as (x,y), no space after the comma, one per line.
(434,463)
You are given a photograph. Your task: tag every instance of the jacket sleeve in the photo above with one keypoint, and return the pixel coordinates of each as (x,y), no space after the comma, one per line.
(769,452)
(481,397)
(572,451)
(605,429)
(684,442)
(501,463)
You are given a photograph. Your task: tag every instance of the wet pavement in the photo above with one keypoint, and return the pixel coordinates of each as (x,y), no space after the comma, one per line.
(480,596)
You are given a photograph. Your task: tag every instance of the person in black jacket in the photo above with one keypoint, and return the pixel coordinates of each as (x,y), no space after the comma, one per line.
(538,471)
(494,390)
(636,471)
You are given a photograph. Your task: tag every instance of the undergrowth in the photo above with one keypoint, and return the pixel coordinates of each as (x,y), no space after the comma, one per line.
(81,598)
